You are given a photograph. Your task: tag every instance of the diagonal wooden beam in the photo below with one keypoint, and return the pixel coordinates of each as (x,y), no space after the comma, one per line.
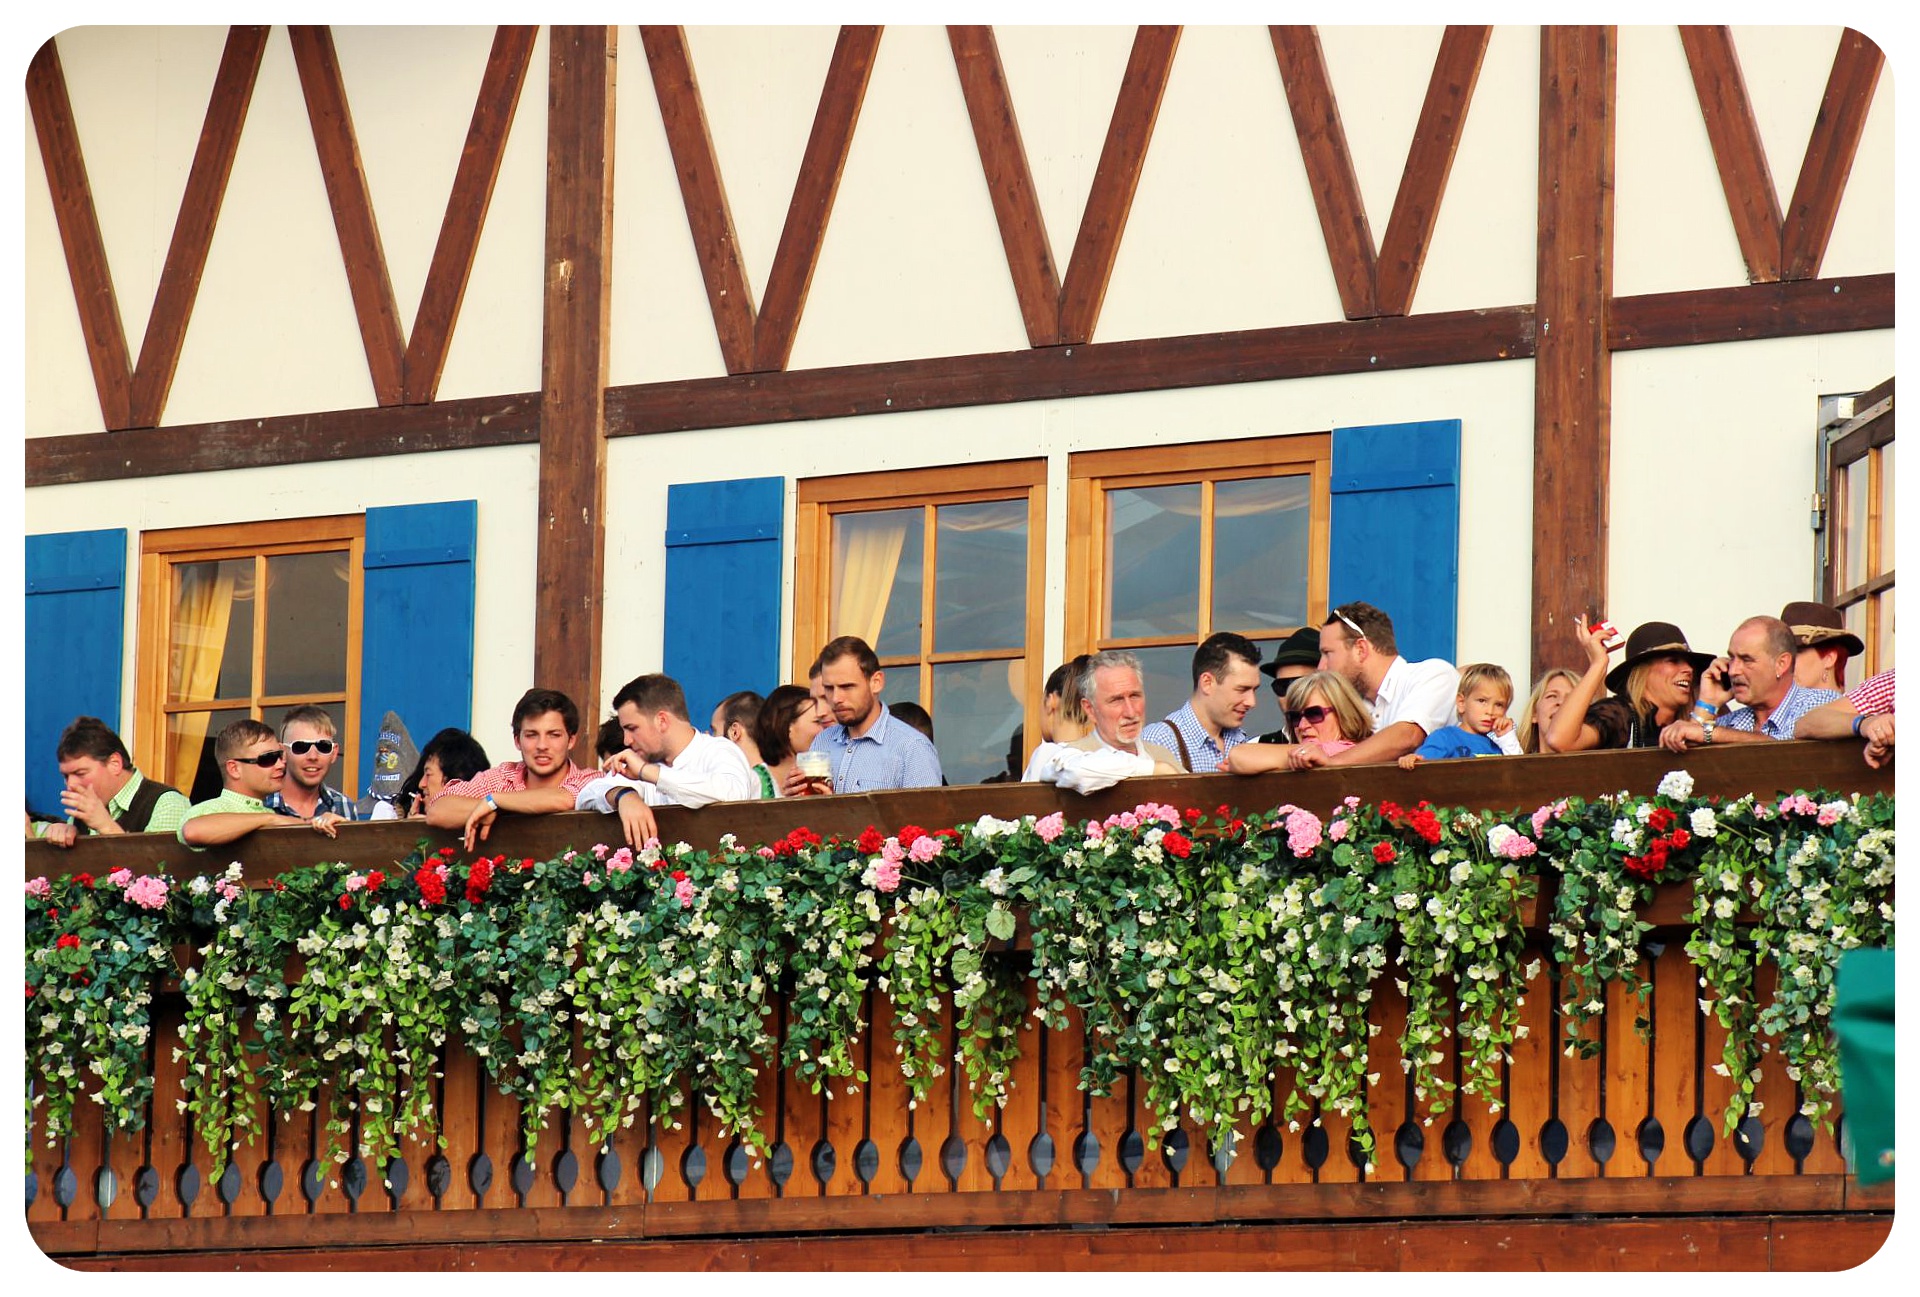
(1436,139)
(346,180)
(1323,148)
(702,193)
(813,193)
(1115,181)
(1745,177)
(473,182)
(193,229)
(1837,128)
(80,237)
(1003,157)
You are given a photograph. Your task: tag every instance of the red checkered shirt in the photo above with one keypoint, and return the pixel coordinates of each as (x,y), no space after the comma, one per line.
(1873,696)
(511,777)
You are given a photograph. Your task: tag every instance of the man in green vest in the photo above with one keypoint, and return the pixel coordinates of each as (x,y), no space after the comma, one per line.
(104,793)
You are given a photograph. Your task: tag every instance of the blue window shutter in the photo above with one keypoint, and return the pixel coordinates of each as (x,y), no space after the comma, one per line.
(722,619)
(1396,529)
(75,629)
(416,626)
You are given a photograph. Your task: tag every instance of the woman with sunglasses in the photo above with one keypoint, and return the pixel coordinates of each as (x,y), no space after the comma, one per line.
(1323,711)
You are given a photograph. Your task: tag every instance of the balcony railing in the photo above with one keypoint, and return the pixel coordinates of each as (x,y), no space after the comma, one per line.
(1580,1157)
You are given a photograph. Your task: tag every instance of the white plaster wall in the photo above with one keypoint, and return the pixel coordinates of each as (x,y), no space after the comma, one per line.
(1713,471)
(503,479)
(1493,401)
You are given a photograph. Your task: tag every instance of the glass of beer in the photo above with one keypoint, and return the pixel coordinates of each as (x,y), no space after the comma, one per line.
(818,768)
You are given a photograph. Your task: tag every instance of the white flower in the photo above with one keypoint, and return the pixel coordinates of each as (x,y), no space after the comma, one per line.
(1460,873)
(1406,901)
(1678,785)
(1703,823)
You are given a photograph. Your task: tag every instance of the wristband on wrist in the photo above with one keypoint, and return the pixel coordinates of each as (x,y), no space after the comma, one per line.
(1856,725)
(613,798)
(1702,705)
(491,804)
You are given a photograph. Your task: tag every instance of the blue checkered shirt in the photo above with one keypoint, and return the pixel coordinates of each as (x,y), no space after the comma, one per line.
(1207,756)
(1779,724)
(892,754)
(328,803)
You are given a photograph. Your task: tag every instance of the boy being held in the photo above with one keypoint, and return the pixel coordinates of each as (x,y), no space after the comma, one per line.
(1484,728)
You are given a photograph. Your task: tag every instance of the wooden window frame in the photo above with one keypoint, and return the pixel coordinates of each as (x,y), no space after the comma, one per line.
(1862,437)
(819,500)
(162,551)
(1090,474)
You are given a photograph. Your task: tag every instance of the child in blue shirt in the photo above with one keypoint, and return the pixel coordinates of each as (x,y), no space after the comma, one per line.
(1484,729)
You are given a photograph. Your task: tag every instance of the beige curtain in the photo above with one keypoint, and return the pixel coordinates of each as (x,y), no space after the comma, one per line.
(200,615)
(865,563)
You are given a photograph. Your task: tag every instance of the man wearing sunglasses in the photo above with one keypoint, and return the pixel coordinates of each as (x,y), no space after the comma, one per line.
(253,764)
(312,748)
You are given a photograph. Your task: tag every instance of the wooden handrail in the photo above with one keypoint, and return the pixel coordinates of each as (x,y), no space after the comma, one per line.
(1508,783)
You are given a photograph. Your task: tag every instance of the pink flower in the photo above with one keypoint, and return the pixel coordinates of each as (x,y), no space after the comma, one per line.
(1094,831)
(599,851)
(924,849)
(119,878)
(886,875)
(230,890)
(1049,828)
(586,879)
(1337,831)
(40,887)
(683,893)
(621,861)
(149,891)
(766,853)
(893,853)
(1351,803)
(1303,832)
(1517,847)
(355,882)
(568,854)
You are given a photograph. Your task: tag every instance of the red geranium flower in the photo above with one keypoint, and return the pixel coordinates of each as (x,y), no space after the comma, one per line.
(85,880)
(526,864)
(1193,814)
(346,900)
(870,841)
(53,913)
(448,852)
(678,875)
(67,942)
(1660,820)
(374,879)
(1680,839)
(1391,811)
(910,834)
(433,888)
(953,834)
(1176,844)
(479,878)
(1384,853)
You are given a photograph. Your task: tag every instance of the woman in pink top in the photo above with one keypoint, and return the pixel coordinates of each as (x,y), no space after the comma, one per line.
(1322,710)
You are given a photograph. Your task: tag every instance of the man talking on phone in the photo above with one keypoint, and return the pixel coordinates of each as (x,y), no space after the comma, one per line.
(1757,672)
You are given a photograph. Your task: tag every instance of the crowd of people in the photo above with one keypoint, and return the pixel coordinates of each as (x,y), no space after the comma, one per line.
(1348,697)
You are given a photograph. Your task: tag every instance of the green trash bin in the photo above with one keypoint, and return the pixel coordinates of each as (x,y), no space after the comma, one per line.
(1863,1024)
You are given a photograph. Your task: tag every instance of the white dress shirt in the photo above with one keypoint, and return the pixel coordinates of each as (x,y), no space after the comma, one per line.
(1422,692)
(1084,770)
(707,770)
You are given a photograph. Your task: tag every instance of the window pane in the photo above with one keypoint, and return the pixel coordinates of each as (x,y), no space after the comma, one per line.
(1855,617)
(190,766)
(1853,537)
(1153,561)
(1884,659)
(902,686)
(877,559)
(307,623)
(977,717)
(1260,553)
(210,654)
(1167,675)
(980,577)
(1886,509)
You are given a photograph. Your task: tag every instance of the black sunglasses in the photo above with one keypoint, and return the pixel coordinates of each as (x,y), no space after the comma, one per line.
(1317,715)
(266,760)
(300,747)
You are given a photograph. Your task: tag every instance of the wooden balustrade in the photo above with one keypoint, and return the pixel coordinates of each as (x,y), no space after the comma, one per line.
(1586,1144)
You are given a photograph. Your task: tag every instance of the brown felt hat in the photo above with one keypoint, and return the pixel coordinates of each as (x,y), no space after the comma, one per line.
(1300,649)
(1651,640)
(1818,624)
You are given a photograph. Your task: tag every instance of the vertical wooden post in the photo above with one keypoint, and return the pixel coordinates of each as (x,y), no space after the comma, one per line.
(573,449)
(1572,366)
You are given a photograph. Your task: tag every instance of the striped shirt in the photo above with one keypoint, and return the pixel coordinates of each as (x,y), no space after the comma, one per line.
(511,777)
(1874,695)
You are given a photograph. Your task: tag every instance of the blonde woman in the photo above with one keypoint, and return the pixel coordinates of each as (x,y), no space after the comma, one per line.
(1658,683)
(1323,711)
(1543,704)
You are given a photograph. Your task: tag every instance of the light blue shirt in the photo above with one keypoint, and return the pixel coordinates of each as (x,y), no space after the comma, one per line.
(891,754)
(1794,704)
(1207,755)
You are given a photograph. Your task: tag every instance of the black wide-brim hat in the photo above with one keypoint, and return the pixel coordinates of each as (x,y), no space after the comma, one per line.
(1815,624)
(1655,639)
(1300,649)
